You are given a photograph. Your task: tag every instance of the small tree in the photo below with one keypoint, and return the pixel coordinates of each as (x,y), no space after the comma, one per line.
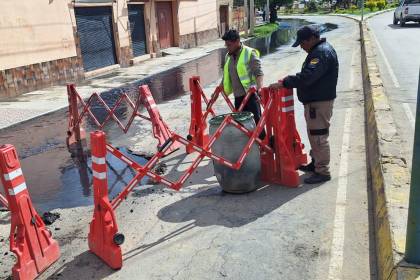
(312,7)
(370,5)
(274,6)
(381,5)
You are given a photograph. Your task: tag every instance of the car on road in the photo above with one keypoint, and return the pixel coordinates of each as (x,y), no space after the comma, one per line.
(407,10)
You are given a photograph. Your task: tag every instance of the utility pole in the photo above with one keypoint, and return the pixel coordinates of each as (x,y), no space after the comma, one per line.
(267,11)
(252,12)
(412,245)
(247,17)
(363,9)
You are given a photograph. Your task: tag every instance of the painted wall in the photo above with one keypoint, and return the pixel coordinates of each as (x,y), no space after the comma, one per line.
(34,31)
(121,18)
(197,16)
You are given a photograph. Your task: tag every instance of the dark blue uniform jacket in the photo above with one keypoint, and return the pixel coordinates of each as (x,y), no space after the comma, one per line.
(318,79)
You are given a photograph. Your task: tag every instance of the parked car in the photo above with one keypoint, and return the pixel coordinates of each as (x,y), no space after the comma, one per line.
(407,10)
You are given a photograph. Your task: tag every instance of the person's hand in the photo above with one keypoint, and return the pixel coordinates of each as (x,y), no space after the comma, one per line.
(276,86)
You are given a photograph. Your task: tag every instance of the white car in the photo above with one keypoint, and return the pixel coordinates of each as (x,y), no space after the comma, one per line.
(407,10)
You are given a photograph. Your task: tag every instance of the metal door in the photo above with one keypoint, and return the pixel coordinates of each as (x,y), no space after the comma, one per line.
(165,24)
(94,27)
(224,19)
(138,33)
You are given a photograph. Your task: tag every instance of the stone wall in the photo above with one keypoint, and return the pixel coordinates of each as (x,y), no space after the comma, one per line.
(40,75)
(195,39)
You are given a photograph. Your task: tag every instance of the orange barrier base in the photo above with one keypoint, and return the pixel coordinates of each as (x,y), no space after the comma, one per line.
(103,236)
(29,266)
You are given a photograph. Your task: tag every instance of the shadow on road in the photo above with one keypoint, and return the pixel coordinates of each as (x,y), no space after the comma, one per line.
(215,207)
(84,266)
(407,25)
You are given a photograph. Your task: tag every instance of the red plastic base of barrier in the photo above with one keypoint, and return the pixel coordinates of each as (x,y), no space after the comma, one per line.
(30,240)
(30,266)
(103,235)
(104,239)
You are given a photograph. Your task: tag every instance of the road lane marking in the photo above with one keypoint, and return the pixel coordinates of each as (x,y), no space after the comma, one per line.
(409,115)
(351,79)
(390,71)
(337,246)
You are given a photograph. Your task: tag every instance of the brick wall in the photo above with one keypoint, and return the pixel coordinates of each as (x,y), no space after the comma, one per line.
(40,75)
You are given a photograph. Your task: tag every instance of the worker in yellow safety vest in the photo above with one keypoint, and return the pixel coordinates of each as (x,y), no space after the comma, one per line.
(242,70)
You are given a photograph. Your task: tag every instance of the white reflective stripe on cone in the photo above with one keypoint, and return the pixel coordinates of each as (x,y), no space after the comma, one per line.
(17,189)
(287,109)
(99,175)
(97,160)
(287,98)
(12,175)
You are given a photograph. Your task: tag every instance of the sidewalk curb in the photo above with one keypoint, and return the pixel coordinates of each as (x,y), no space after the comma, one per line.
(349,16)
(388,178)
(64,108)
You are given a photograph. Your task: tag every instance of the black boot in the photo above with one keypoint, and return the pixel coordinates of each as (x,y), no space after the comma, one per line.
(317,178)
(309,167)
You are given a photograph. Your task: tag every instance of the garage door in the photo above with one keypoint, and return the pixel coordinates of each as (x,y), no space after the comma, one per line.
(165,24)
(94,27)
(138,33)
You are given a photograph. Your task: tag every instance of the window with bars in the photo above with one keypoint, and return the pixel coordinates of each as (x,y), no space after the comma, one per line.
(238,3)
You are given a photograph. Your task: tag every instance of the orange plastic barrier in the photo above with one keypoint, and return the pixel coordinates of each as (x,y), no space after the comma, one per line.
(30,240)
(104,239)
(76,133)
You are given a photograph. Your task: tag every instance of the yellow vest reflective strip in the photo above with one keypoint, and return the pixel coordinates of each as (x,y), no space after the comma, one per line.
(243,69)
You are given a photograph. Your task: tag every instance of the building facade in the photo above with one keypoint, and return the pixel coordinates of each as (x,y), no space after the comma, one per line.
(52,42)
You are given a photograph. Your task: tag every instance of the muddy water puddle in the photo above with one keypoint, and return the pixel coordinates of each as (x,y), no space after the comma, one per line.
(57,180)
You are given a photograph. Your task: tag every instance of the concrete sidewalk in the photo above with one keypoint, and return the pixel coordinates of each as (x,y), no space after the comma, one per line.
(37,103)
(389,172)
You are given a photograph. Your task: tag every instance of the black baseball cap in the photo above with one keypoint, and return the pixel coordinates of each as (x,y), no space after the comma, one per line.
(231,35)
(304,33)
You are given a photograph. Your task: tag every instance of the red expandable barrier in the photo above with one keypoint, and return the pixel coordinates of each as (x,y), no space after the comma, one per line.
(160,129)
(280,124)
(3,201)
(76,133)
(30,240)
(286,164)
(104,239)
(291,135)
(270,165)
(198,130)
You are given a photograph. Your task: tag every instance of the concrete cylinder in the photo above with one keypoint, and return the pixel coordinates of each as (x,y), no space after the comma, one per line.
(230,146)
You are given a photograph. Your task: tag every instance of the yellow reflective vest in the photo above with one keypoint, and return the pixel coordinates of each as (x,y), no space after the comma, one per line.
(244,71)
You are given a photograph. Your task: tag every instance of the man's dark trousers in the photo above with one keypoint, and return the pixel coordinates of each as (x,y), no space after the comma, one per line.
(252,106)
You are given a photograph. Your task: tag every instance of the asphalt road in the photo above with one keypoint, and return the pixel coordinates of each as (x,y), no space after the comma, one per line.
(398,58)
(310,232)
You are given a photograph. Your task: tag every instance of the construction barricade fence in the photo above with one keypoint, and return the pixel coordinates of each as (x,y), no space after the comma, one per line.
(144,99)
(281,154)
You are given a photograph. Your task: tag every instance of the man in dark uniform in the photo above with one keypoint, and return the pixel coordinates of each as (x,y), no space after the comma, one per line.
(316,89)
